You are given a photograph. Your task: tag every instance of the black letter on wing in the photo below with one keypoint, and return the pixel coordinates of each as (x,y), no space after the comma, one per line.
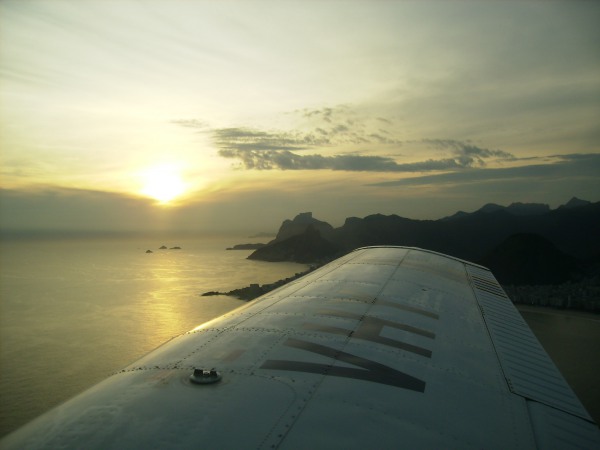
(371,371)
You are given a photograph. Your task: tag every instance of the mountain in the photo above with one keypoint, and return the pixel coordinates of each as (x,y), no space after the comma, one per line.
(306,247)
(530,259)
(572,231)
(528,209)
(575,203)
(490,208)
(516,209)
(299,225)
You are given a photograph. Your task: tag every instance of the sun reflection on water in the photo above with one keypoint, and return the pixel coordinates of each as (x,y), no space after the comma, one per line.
(79,310)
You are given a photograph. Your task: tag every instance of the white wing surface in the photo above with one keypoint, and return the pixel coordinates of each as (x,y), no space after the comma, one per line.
(386,347)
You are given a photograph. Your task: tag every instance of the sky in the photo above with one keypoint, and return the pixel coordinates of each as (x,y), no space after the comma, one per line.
(235,115)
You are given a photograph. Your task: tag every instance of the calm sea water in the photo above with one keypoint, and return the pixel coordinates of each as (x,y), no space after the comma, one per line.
(74,311)
(572,339)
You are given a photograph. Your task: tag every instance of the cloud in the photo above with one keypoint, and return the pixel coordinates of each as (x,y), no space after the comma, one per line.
(191,123)
(325,114)
(234,140)
(67,208)
(575,166)
(468,153)
(314,128)
(340,127)
(384,120)
(287,160)
(260,150)
(231,141)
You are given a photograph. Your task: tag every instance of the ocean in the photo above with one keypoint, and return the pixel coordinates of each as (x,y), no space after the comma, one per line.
(572,339)
(74,311)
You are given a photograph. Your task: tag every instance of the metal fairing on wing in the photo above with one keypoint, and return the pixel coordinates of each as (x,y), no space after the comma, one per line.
(387,346)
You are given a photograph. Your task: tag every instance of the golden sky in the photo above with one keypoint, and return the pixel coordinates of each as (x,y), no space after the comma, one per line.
(196,114)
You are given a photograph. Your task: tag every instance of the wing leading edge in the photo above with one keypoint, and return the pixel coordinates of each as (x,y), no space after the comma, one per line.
(392,346)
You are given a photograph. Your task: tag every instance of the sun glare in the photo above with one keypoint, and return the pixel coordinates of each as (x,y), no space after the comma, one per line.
(163,183)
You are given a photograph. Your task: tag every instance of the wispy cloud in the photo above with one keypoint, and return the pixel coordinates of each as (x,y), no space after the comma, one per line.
(230,141)
(287,160)
(257,149)
(467,153)
(260,150)
(315,129)
(325,114)
(192,123)
(563,166)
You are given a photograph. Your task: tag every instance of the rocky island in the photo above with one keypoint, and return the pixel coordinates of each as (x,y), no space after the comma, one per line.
(164,247)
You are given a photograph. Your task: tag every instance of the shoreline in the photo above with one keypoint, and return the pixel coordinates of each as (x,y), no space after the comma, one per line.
(255,290)
(550,310)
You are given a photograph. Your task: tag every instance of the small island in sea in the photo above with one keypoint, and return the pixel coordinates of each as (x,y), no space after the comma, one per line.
(164,247)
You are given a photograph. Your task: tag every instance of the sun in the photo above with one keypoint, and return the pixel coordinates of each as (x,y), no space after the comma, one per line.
(163,183)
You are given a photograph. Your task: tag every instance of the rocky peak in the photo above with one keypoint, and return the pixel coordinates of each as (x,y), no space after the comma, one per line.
(490,208)
(575,203)
(306,247)
(299,225)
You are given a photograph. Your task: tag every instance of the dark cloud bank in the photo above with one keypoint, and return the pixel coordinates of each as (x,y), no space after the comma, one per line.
(563,167)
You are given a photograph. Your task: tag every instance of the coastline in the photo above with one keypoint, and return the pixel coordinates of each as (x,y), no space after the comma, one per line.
(583,295)
(255,290)
(550,310)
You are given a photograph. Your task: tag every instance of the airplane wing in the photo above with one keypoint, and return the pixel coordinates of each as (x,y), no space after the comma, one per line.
(386,347)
